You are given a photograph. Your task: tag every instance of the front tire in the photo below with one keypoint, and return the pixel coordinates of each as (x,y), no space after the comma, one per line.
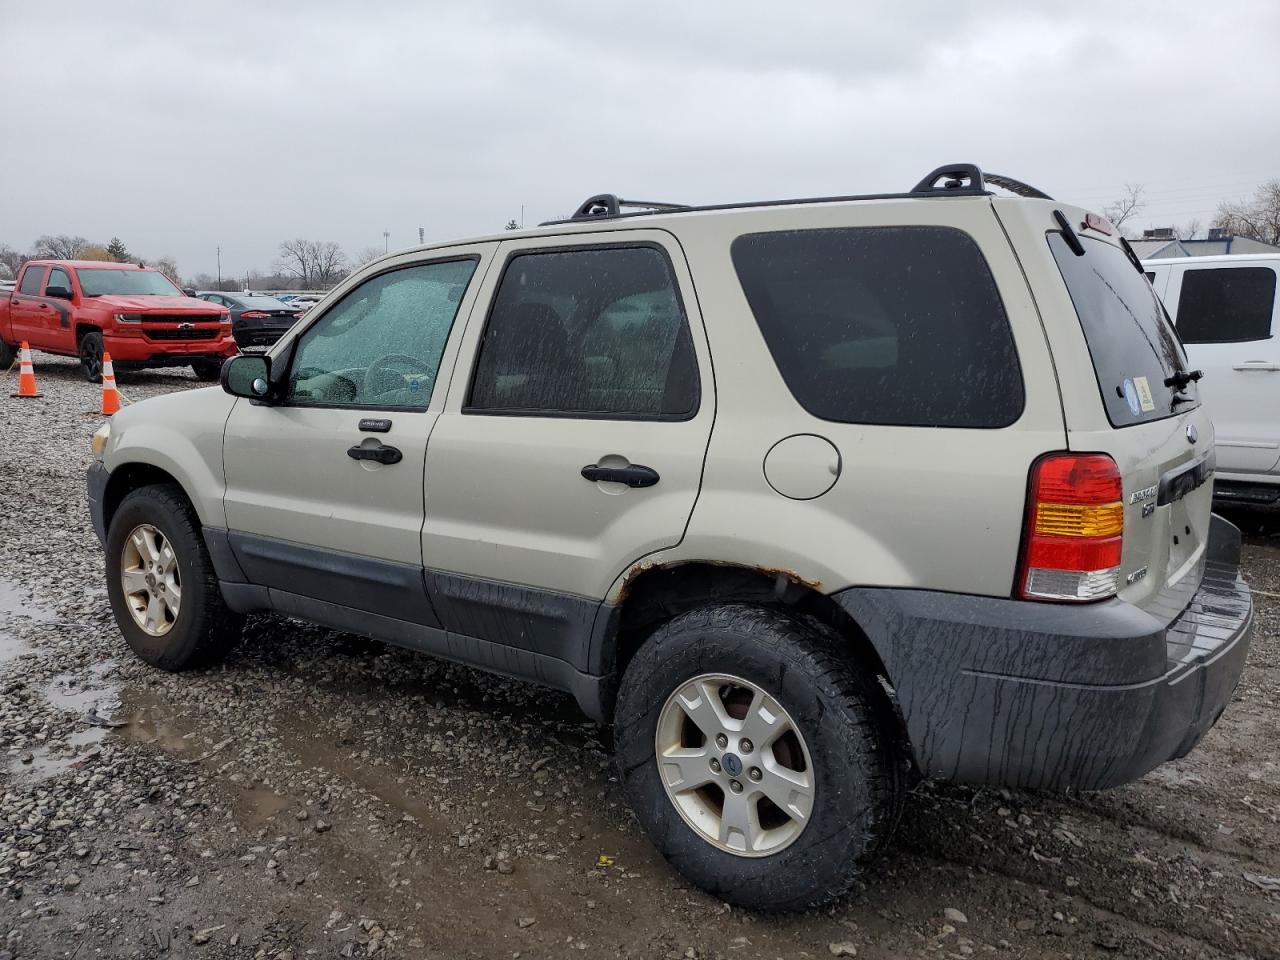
(206,371)
(91,356)
(161,583)
(780,822)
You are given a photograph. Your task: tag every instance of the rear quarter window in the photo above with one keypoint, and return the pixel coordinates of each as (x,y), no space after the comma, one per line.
(1131,343)
(899,326)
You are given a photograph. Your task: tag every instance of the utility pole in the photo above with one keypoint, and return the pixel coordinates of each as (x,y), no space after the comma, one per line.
(219,266)
(422,234)
(386,241)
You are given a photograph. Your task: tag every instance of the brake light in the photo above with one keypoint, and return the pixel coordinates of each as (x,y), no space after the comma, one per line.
(254,315)
(298,315)
(1074,529)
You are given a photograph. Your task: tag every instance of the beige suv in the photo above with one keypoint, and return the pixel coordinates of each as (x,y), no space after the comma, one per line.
(804,497)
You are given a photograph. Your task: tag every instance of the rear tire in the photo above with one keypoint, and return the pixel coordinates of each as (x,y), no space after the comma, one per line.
(206,371)
(154,556)
(842,775)
(7,355)
(91,356)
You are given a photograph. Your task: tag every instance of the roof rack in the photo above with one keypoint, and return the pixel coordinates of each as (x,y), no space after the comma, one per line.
(610,205)
(957,179)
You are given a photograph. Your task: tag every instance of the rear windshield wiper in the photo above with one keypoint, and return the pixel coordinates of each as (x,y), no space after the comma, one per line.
(1182,378)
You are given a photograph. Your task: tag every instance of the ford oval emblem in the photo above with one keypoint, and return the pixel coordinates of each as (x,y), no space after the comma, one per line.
(1192,433)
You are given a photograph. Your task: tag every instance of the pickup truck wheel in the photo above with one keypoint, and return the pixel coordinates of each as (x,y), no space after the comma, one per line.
(206,371)
(161,583)
(758,759)
(7,355)
(91,357)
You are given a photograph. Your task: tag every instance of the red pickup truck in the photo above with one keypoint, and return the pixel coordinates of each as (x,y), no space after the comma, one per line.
(80,308)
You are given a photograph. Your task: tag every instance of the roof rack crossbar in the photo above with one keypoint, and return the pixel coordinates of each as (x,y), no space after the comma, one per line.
(610,205)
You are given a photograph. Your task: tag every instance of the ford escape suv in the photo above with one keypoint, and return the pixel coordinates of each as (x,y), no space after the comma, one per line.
(804,497)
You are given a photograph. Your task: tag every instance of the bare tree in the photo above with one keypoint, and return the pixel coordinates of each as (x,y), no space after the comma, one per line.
(61,247)
(1258,218)
(1127,207)
(330,263)
(1189,231)
(311,263)
(169,267)
(512,225)
(12,259)
(367,255)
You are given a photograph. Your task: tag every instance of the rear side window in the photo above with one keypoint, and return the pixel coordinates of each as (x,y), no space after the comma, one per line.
(1131,343)
(1227,305)
(587,333)
(31,278)
(884,325)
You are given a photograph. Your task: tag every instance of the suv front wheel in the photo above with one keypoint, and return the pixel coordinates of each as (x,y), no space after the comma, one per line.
(161,583)
(759,760)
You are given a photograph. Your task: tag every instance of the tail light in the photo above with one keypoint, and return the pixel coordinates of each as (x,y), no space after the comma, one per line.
(299,315)
(254,315)
(1075,527)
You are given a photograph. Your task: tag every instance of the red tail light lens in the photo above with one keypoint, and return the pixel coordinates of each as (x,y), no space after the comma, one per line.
(254,315)
(1075,529)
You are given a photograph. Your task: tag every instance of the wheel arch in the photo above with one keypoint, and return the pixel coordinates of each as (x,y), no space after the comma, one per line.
(83,329)
(651,595)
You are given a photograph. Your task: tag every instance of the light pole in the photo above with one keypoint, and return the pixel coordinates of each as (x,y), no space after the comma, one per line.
(386,241)
(219,267)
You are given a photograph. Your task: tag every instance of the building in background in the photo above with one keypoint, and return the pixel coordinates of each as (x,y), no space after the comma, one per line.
(1162,243)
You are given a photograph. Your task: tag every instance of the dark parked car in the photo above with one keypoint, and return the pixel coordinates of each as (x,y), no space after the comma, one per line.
(256,321)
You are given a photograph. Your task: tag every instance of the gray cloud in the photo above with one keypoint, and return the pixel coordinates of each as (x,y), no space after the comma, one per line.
(182,126)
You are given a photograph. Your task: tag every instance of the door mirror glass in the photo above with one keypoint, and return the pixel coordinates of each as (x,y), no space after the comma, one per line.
(248,375)
(188,291)
(58,293)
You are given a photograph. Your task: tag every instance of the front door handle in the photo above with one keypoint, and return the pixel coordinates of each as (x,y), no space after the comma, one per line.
(634,475)
(378,454)
(1256,365)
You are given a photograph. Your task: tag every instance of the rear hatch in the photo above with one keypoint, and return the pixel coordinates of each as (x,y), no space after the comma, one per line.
(1150,420)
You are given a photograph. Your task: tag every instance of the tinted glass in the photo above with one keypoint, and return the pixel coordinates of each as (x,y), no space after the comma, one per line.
(58,278)
(380,346)
(587,332)
(1132,345)
(885,325)
(96,282)
(1229,305)
(260,303)
(31,280)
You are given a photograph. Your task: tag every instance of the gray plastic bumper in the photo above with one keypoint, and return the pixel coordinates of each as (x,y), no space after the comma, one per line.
(1053,696)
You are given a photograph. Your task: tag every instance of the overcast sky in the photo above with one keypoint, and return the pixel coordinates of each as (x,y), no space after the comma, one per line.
(182,126)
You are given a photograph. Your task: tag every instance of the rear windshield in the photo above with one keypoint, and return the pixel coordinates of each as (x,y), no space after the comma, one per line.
(899,326)
(1131,341)
(263,303)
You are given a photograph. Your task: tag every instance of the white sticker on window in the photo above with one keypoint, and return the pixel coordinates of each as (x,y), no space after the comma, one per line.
(1145,400)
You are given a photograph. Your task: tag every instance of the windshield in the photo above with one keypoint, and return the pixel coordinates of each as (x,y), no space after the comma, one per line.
(1131,341)
(95,282)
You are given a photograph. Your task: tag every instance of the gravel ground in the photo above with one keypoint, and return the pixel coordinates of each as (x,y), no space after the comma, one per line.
(318,795)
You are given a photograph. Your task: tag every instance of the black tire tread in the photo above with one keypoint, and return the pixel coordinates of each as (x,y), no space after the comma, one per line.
(859,703)
(219,627)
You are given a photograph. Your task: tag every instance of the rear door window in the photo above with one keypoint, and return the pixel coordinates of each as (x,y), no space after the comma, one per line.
(31,278)
(1130,340)
(884,325)
(1226,305)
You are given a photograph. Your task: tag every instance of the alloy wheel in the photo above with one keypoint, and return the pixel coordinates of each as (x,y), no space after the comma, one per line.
(735,765)
(151,581)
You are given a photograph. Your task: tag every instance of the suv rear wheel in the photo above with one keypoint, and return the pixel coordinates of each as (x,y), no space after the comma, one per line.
(759,760)
(161,583)
(91,356)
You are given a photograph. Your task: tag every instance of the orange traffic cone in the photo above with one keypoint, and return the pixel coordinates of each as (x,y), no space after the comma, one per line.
(110,395)
(26,375)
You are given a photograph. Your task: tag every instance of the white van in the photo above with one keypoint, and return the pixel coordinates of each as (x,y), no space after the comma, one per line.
(1226,313)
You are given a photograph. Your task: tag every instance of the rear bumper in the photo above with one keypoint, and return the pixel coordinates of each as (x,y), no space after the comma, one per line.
(1049,696)
(259,334)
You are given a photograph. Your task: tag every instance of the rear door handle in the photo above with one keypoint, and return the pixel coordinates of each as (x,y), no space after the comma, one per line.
(378,454)
(635,475)
(1263,365)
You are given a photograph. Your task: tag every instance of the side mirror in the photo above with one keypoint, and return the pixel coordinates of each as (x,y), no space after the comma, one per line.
(188,291)
(58,293)
(248,375)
